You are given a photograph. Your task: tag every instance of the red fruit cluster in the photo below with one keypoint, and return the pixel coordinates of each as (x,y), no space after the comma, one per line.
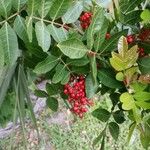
(144,34)
(141,52)
(75,90)
(130,39)
(85,20)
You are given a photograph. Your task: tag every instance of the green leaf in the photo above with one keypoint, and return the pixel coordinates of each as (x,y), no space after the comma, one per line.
(137,114)
(138,87)
(78,62)
(98,139)
(59,74)
(44,7)
(9,43)
(131,130)
(59,8)
(73,48)
(122,46)
(5,8)
(114,98)
(93,65)
(126,58)
(66,77)
(142,96)
(117,62)
(31,10)
(52,89)
(100,36)
(73,13)
(6,82)
(145,15)
(29,27)
(107,77)
(59,34)
(27,96)
(145,136)
(119,116)
(101,114)
(127,6)
(142,104)
(43,36)
(20,28)
(33,6)
(2,58)
(144,65)
(40,93)
(130,72)
(128,101)
(114,130)
(52,103)
(120,76)
(110,44)
(18,4)
(91,88)
(95,25)
(131,18)
(47,65)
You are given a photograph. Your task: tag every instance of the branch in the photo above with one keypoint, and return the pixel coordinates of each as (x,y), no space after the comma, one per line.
(58,24)
(12,16)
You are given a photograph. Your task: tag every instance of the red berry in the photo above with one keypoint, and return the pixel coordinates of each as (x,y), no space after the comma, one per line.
(141,52)
(130,39)
(65,91)
(144,34)
(81,115)
(108,36)
(84,109)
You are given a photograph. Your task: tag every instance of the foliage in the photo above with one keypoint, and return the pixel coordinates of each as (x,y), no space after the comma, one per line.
(111,52)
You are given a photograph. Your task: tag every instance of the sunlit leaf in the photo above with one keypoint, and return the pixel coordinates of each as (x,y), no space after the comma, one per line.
(43,36)
(9,43)
(127,100)
(73,48)
(59,34)
(59,8)
(73,13)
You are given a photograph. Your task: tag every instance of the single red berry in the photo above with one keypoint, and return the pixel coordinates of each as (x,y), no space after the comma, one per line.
(83,109)
(130,39)
(108,36)
(75,109)
(81,115)
(141,52)
(65,91)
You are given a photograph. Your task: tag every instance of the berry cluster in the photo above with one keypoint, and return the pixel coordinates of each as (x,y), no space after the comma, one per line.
(141,52)
(75,90)
(130,39)
(85,20)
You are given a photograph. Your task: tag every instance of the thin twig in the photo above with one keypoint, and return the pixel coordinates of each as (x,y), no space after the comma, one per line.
(65,65)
